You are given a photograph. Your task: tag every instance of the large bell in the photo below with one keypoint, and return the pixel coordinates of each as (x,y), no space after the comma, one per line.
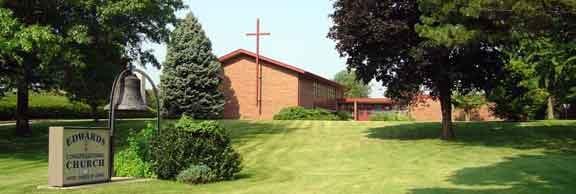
(129,95)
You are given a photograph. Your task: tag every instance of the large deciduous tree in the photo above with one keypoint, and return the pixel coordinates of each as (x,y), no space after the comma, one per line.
(540,76)
(542,70)
(191,75)
(117,30)
(43,38)
(28,49)
(411,45)
(354,87)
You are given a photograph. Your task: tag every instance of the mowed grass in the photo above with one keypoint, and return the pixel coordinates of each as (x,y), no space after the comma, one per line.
(350,157)
(39,100)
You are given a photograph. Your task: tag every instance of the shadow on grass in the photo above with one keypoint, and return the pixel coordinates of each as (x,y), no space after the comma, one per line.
(35,147)
(553,171)
(548,173)
(554,136)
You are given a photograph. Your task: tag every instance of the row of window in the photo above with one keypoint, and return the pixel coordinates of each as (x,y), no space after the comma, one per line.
(324,91)
(373,107)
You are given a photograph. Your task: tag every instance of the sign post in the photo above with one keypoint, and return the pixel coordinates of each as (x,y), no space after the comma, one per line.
(78,155)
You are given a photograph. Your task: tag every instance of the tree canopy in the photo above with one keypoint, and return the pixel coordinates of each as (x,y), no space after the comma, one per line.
(40,40)
(409,46)
(355,88)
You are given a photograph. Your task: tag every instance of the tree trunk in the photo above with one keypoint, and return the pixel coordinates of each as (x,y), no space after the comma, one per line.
(550,108)
(22,121)
(446,106)
(467,113)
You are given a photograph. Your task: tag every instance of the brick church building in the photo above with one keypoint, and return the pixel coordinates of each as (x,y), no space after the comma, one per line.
(282,85)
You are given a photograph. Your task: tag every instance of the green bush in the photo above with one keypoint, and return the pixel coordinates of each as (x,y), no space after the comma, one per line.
(390,116)
(187,143)
(196,174)
(301,113)
(344,115)
(134,161)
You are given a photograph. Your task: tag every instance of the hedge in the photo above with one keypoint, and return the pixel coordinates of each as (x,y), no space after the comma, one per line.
(301,113)
(390,116)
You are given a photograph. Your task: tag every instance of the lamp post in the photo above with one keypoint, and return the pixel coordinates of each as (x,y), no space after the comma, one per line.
(130,100)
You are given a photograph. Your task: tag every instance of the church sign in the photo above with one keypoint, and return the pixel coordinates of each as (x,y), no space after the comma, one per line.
(78,156)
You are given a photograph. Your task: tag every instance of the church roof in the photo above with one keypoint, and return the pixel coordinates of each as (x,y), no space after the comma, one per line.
(277,63)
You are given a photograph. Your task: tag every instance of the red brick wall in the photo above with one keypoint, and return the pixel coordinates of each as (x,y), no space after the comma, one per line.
(481,114)
(306,93)
(430,110)
(279,89)
(239,88)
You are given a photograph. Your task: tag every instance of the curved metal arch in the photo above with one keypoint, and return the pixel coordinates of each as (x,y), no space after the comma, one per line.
(112,112)
(155,94)
(114,104)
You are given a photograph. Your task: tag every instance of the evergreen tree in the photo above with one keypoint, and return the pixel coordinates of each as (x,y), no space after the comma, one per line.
(191,74)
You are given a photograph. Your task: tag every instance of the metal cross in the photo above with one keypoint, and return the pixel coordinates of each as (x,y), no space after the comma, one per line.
(258,66)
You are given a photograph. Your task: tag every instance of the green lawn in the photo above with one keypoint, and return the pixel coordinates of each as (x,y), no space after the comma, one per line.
(39,100)
(352,157)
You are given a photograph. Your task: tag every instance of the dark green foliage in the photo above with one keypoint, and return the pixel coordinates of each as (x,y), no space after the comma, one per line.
(541,75)
(343,115)
(192,74)
(301,113)
(134,161)
(196,174)
(44,41)
(390,116)
(410,45)
(187,142)
(355,87)
(538,38)
(98,73)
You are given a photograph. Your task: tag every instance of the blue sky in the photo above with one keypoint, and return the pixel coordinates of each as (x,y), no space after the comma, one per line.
(298,29)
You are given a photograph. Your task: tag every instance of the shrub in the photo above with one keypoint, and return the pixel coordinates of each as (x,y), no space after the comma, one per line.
(134,160)
(188,142)
(343,115)
(196,174)
(390,116)
(301,113)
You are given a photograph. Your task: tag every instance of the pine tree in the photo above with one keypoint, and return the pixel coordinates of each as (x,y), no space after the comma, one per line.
(191,74)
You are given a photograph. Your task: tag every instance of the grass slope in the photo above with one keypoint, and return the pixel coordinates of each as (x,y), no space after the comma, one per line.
(352,157)
(38,100)
(47,105)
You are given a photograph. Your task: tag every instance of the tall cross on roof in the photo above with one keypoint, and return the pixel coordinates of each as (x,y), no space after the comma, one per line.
(258,66)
